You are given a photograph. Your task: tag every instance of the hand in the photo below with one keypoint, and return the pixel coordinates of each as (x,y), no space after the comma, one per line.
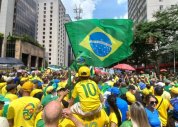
(64,93)
(67,113)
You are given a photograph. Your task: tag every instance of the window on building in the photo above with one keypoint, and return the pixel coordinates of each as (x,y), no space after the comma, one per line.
(43,37)
(51,20)
(161,7)
(50,28)
(51,3)
(49,50)
(44,20)
(49,58)
(44,8)
(43,24)
(44,4)
(10,49)
(50,41)
(160,0)
(50,32)
(43,28)
(43,45)
(43,33)
(51,11)
(49,62)
(44,12)
(44,16)
(50,24)
(49,54)
(50,45)
(51,16)
(50,36)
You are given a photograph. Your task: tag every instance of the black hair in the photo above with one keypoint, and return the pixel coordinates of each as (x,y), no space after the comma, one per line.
(112,102)
(158,90)
(147,98)
(38,95)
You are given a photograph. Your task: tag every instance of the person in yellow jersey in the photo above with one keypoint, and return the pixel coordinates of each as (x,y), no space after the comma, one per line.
(99,119)
(11,92)
(130,94)
(22,111)
(163,105)
(89,94)
(115,115)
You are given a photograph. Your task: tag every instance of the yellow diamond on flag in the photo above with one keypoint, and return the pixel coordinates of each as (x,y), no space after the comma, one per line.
(100,43)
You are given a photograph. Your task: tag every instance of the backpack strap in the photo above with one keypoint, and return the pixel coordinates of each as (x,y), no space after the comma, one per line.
(159,104)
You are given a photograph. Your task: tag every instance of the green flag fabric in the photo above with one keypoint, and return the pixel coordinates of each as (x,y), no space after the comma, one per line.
(106,41)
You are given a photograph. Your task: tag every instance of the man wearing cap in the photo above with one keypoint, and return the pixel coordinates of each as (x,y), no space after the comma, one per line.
(21,112)
(11,92)
(89,94)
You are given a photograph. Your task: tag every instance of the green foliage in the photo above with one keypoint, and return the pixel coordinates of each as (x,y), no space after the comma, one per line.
(1,36)
(24,38)
(154,39)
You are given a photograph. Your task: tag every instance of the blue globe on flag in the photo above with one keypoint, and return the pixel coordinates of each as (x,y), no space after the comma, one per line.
(100,44)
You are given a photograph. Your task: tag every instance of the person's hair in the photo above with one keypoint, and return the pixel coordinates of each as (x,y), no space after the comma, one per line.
(38,95)
(112,102)
(158,90)
(138,115)
(147,98)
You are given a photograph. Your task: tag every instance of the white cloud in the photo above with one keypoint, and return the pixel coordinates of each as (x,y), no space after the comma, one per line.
(121,1)
(125,16)
(88,7)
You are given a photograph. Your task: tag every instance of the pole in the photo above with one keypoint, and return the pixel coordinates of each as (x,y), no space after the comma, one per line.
(174,62)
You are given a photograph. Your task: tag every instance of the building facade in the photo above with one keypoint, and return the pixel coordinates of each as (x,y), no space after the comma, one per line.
(17,17)
(143,10)
(51,31)
(68,50)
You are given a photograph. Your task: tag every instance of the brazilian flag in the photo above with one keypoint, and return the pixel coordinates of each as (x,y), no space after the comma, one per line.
(105,41)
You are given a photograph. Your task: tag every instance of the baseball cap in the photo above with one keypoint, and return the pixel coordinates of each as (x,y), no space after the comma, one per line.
(174,89)
(35,91)
(115,91)
(27,86)
(48,98)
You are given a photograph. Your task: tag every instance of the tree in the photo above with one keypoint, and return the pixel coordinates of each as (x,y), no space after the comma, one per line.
(156,38)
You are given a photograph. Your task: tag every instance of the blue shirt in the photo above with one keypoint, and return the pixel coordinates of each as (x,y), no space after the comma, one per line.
(123,107)
(153,118)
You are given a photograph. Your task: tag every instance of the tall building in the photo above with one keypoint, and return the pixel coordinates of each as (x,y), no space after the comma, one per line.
(17,17)
(51,31)
(68,50)
(143,10)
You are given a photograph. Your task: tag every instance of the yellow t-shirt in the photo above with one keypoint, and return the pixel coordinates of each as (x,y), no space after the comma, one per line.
(113,117)
(38,117)
(2,84)
(3,90)
(88,93)
(163,113)
(98,120)
(11,96)
(62,84)
(130,97)
(23,111)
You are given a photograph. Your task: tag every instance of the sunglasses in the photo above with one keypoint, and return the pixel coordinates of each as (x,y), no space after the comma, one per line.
(153,102)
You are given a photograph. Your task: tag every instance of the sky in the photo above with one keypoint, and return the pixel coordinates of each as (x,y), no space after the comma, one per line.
(99,9)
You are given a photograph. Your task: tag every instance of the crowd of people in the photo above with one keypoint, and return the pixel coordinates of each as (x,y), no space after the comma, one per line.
(57,99)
